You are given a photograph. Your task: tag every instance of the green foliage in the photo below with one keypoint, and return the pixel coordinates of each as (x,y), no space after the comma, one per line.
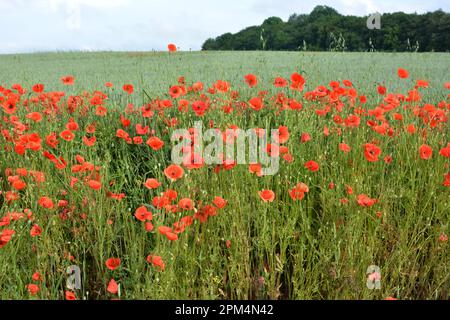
(426,32)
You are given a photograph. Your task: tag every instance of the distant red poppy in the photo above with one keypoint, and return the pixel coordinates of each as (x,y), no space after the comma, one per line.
(381,90)
(171,47)
(251,80)
(68,80)
(402,73)
(280,82)
(142,214)
(38,88)
(128,88)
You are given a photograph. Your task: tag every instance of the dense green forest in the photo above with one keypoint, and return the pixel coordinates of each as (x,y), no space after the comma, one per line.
(324,29)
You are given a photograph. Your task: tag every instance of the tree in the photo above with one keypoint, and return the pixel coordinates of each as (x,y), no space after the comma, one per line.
(426,32)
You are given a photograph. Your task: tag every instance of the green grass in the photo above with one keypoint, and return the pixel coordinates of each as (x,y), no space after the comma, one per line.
(317,248)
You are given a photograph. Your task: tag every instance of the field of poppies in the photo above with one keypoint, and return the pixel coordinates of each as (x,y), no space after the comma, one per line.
(92,205)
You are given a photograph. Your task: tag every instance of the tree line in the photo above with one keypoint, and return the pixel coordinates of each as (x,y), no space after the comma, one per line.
(324,29)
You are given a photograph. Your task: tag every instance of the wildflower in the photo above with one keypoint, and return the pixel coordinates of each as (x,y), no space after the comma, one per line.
(425,152)
(267,195)
(174,172)
(112,263)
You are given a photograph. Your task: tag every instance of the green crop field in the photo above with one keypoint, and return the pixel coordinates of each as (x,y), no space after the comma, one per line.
(359,208)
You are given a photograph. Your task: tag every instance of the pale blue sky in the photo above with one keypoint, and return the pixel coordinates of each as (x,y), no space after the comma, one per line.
(48,25)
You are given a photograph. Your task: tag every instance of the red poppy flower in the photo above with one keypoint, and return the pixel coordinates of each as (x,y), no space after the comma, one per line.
(94,184)
(6,236)
(142,214)
(35,230)
(445,152)
(221,86)
(155,143)
(112,287)
(67,135)
(175,92)
(280,82)
(174,172)
(220,202)
(36,276)
(305,137)
(35,116)
(46,203)
(112,263)
(70,295)
(68,80)
(282,135)
(171,47)
(298,192)
(128,88)
(186,204)
(402,73)
(151,183)
(267,195)
(157,261)
(371,152)
(89,142)
(312,166)
(38,88)
(19,185)
(344,147)
(256,103)
(251,80)
(33,289)
(426,152)
(171,236)
(381,90)
(365,201)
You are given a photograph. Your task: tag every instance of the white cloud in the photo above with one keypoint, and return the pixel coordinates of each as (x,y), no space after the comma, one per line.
(73,8)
